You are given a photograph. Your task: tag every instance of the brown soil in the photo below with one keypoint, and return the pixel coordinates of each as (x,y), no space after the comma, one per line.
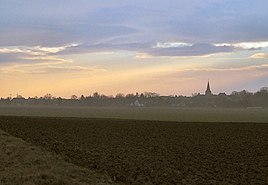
(152,152)
(24,164)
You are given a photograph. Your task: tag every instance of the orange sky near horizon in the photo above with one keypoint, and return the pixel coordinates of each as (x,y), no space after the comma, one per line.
(168,47)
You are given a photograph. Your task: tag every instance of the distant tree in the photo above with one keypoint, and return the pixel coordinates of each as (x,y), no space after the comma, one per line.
(234,93)
(195,94)
(20,96)
(120,95)
(263,91)
(74,97)
(130,95)
(96,95)
(150,94)
(242,98)
(48,96)
(82,97)
(103,96)
(242,94)
(261,97)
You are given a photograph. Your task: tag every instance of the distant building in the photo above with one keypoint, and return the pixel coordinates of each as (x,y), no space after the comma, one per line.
(208,91)
(136,104)
(222,94)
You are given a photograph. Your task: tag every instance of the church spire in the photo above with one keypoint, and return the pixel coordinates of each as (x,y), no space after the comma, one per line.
(208,91)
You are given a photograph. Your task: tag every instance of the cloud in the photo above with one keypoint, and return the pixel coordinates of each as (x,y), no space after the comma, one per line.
(157,49)
(134,25)
(142,56)
(27,35)
(11,50)
(172,45)
(52,50)
(246,68)
(259,56)
(246,45)
(35,50)
(38,60)
(251,68)
(34,53)
(190,50)
(59,66)
(108,47)
(251,45)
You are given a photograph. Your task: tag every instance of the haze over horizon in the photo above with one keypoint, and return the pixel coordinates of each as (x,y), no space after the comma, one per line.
(79,47)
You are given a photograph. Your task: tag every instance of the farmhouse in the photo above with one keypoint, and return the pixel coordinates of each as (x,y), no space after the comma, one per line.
(136,104)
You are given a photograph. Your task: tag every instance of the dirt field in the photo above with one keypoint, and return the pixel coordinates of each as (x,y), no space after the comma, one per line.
(24,164)
(153,152)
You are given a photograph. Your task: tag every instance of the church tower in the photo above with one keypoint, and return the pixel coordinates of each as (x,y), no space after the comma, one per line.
(208,91)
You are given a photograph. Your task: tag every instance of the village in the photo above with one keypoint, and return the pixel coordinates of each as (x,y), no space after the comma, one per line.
(240,99)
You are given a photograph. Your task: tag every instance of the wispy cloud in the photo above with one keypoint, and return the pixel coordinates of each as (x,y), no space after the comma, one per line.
(143,56)
(48,68)
(35,50)
(165,45)
(189,50)
(259,56)
(34,54)
(245,45)
(56,37)
(215,69)
(39,60)
(100,25)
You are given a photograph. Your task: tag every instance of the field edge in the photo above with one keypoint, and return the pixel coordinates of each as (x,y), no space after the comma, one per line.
(23,163)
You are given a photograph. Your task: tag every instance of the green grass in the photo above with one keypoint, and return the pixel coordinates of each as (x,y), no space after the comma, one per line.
(162,114)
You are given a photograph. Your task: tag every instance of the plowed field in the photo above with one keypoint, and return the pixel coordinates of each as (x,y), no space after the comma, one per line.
(153,152)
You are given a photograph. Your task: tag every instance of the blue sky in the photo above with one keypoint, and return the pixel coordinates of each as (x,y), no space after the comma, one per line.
(78,47)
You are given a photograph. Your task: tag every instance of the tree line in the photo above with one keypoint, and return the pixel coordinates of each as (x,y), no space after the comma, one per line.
(149,99)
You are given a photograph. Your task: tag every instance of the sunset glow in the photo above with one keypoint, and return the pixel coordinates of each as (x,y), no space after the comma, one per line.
(169,47)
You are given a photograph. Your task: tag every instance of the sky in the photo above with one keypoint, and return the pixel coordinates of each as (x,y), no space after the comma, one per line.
(171,47)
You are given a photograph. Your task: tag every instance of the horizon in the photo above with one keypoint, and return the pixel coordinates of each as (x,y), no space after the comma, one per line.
(18,95)
(110,47)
